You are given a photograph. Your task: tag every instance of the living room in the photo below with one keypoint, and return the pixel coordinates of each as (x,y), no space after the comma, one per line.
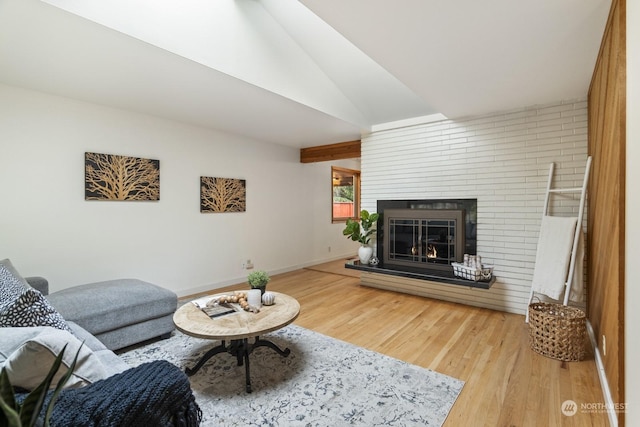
(52,231)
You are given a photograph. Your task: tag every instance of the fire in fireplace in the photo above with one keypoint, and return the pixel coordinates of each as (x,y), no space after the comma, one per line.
(423,237)
(427,234)
(432,252)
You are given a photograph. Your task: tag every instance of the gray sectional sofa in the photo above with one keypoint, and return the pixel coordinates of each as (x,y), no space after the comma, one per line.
(119,313)
(87,323)
(112,315)
(103,317)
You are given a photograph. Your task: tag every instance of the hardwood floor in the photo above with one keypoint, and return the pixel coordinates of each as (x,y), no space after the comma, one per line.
(507,384)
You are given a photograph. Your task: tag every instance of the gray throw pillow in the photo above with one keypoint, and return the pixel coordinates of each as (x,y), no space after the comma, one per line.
(21,305)
(28,363)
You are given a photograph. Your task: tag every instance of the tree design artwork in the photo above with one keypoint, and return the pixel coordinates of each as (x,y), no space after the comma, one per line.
(222,195)
(113,177)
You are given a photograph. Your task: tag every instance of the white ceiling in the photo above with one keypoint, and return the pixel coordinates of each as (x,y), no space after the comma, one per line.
(273,70)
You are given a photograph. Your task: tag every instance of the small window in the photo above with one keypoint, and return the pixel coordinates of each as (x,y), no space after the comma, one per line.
(345,194)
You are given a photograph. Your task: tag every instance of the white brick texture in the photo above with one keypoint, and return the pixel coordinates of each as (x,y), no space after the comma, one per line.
(500,159)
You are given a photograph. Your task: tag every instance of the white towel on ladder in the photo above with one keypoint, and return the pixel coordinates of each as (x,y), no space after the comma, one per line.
(577,293)
(553,254)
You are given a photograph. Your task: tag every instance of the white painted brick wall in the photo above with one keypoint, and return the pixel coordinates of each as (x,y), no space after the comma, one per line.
(500,159)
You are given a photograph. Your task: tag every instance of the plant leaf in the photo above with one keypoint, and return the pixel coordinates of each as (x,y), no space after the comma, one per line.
(60,385)
(9,415)
(6,390)
(35,399)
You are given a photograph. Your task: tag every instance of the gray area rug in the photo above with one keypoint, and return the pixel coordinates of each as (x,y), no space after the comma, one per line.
(323,382)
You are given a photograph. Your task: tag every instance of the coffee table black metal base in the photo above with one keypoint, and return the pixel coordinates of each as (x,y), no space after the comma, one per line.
(240,349)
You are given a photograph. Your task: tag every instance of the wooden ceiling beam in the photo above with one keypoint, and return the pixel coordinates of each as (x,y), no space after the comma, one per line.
(323,153)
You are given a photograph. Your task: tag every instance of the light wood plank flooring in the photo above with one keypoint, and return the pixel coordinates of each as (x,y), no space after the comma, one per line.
(507,384)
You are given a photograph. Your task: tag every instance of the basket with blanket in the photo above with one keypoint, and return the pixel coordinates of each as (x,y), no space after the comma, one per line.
(472,269)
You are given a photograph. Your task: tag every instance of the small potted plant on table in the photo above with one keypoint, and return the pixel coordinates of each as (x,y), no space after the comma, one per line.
(258,280)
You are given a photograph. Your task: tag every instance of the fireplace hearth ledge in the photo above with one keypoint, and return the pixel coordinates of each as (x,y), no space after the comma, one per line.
(441,276)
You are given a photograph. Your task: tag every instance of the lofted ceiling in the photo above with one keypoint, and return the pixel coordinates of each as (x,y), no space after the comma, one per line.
(303,73)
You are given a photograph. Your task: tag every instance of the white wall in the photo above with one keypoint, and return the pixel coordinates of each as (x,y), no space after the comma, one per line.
(48,229)
(632,238)
(503,161)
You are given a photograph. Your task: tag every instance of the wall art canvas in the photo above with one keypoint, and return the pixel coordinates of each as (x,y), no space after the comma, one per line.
(222,195)
(114,177)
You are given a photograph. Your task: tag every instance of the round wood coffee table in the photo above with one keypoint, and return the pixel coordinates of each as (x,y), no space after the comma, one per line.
(237,328)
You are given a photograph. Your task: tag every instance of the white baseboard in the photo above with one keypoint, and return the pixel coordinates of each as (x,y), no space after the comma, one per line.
(604,383)
(241,279)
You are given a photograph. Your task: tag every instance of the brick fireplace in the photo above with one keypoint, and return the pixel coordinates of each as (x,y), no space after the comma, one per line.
(425,234)
(419,239)
(502,160)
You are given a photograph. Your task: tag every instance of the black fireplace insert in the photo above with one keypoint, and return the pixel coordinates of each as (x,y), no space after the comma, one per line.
(428,234)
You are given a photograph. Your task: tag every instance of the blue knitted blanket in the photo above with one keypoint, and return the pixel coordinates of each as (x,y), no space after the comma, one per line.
(153,394)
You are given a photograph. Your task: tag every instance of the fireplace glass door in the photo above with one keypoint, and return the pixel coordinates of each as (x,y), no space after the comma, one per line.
(423,238)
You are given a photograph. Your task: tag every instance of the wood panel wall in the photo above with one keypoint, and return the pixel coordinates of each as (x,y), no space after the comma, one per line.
(607,122)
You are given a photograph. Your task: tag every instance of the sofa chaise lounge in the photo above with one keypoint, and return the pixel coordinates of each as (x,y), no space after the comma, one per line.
(92,320)
(119,313)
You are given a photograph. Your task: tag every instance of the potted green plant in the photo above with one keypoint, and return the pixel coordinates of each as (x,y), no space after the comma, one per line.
(26,414)
(258,280)
(361,231)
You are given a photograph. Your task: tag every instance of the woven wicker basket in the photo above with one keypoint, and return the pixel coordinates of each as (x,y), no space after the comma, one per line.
(557,331)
